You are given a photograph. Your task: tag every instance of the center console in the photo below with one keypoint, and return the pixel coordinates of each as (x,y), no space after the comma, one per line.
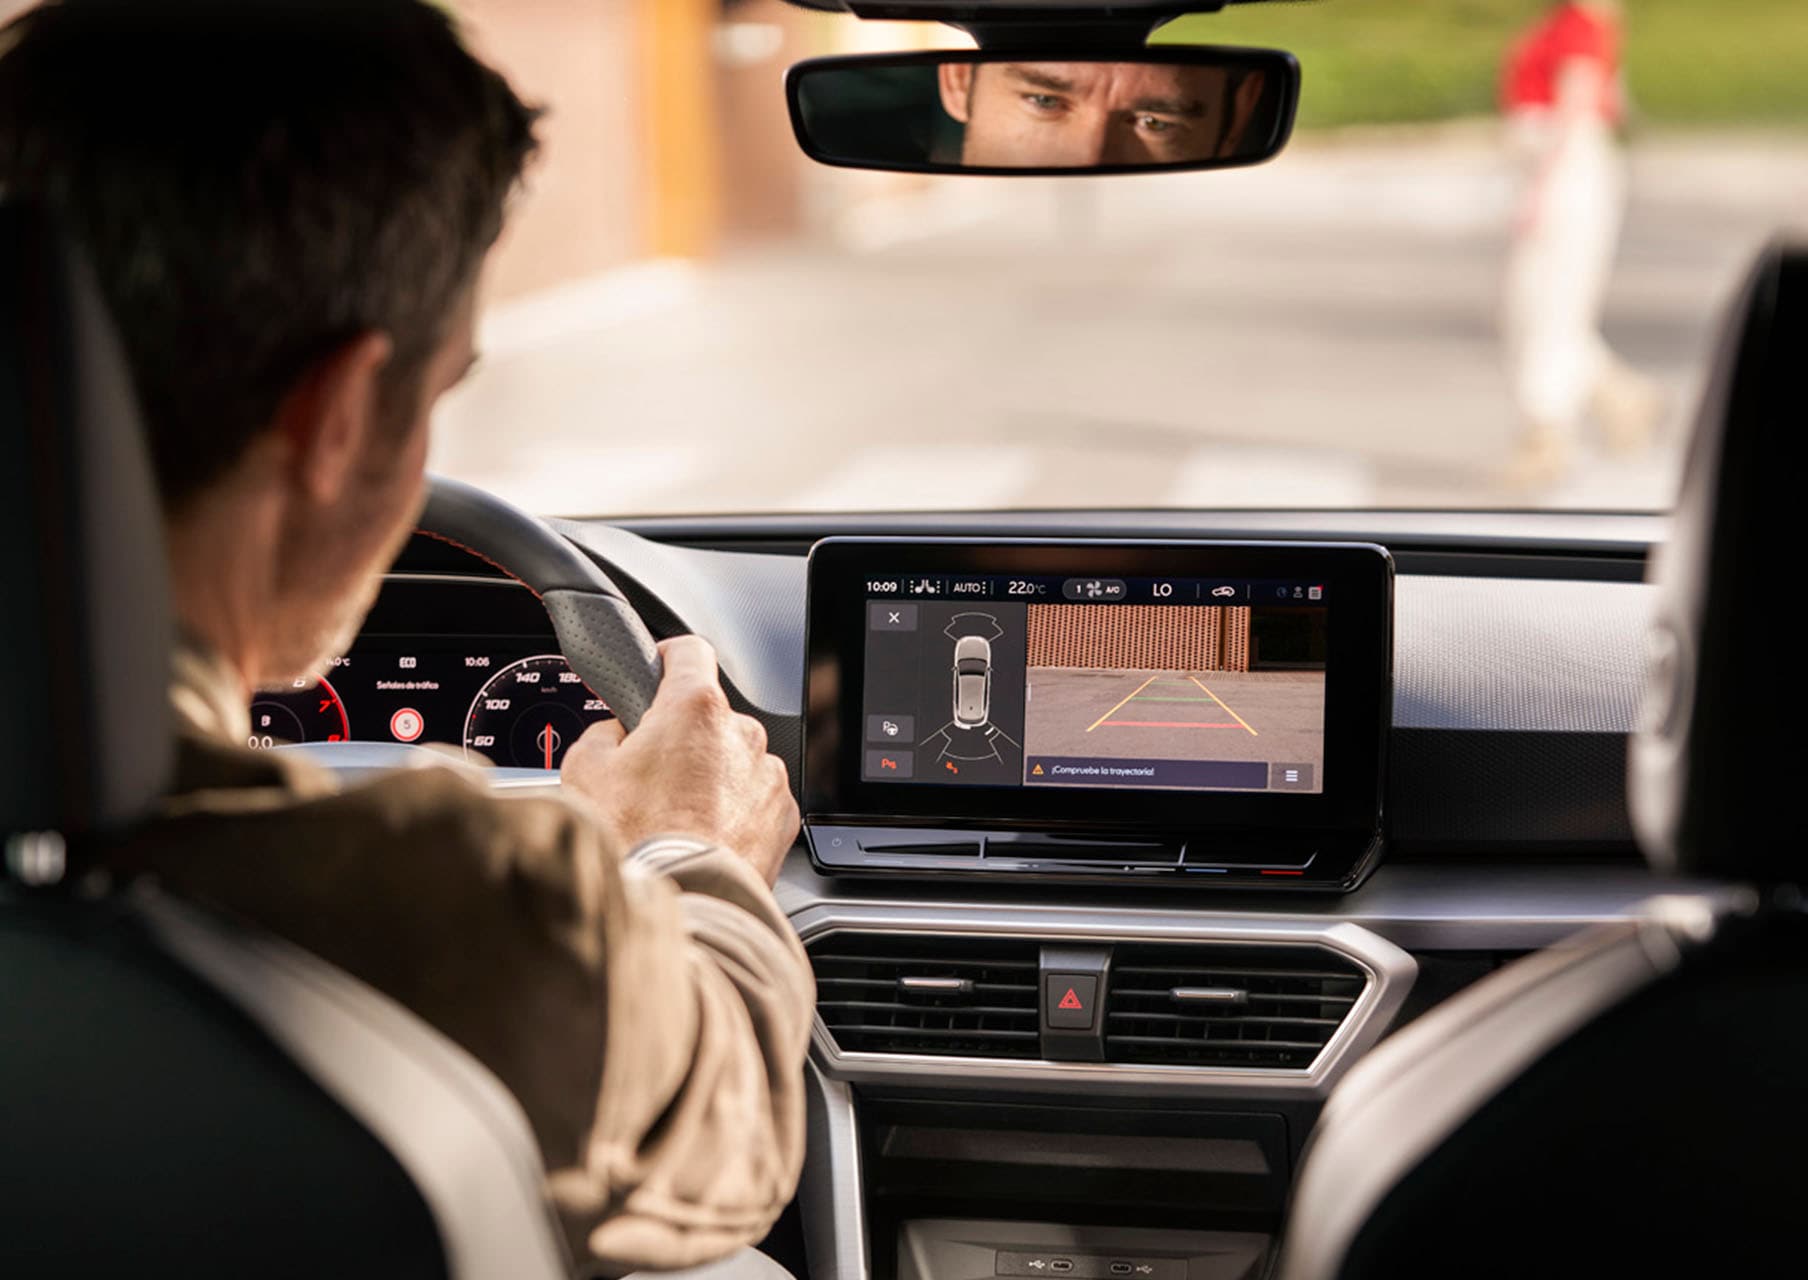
(1203,713)
(979,1249)
(1027,1089)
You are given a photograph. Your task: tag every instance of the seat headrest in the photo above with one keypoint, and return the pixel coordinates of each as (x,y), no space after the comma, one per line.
(1719,757)
(86,742)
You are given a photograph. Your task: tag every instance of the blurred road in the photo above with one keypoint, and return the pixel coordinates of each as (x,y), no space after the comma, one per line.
(1318,332)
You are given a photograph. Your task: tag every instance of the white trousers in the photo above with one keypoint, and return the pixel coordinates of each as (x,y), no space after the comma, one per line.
(1563,246)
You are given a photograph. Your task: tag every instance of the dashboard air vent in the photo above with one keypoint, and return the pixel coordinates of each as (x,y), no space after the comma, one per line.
(1226,1006)
(913,994)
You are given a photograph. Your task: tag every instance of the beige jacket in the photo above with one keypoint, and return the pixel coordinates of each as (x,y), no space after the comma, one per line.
(651,1011)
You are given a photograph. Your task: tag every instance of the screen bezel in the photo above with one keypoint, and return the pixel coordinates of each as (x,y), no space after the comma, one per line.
(1358,687)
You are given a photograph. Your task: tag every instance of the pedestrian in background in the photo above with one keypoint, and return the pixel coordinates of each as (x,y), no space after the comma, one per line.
(1564,98)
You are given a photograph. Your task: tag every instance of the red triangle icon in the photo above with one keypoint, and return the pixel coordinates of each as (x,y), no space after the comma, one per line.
(1070,1001)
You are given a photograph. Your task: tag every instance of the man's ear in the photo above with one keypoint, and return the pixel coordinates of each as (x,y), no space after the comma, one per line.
(327,419)
(956,82)
(1248,97)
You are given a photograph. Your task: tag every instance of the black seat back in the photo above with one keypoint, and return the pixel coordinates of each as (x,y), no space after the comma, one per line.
(1635,1102)
(1720,753)
(147,1126)
(85,743)
(150,1128)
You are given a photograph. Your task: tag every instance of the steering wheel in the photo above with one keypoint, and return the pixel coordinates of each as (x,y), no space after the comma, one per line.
(601,636)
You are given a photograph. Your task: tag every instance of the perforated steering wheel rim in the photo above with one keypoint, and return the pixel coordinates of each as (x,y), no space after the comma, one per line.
(599,632)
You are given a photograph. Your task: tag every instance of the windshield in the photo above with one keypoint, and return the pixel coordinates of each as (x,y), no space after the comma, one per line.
(1487,273)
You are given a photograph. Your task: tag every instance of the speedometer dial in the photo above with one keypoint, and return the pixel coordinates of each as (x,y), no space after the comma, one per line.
(528,713)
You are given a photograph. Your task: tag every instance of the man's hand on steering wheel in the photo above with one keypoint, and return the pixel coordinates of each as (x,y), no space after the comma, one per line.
(693,767)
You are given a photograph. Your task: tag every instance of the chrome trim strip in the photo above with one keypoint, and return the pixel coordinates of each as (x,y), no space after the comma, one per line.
(358,761)
(470,579)
(830,1194)
(1209,995)
(1478,906)
(508,778)
(1390,973)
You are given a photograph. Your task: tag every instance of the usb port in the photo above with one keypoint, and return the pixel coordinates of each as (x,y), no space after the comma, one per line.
(1060,1265)
(1121,1268)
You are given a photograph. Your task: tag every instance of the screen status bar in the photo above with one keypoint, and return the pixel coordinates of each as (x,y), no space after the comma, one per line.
(1049,589)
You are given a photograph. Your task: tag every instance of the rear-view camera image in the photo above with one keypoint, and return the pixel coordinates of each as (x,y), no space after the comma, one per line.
(1204,697)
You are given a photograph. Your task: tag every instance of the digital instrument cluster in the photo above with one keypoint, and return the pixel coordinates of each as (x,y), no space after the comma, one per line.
(512,708)
(508,698)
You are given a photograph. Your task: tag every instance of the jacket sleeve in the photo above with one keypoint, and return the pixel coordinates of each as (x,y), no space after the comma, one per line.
(699,1132)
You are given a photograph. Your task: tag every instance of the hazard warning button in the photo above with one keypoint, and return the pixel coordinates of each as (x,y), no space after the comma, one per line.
(1068,999)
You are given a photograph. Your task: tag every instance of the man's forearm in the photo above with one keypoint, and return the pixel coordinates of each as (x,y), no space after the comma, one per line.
(699,1136)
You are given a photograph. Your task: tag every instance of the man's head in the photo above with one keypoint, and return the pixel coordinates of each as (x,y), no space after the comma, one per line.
(287,204)
(1062,115)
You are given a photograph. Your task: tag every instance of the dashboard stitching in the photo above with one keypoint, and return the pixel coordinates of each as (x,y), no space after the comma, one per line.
(473,551)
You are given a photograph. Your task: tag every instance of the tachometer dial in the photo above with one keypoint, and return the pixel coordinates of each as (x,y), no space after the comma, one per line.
(528,713)
(308,711)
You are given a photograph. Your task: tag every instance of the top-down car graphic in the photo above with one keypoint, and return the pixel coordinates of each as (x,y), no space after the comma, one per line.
(972,681)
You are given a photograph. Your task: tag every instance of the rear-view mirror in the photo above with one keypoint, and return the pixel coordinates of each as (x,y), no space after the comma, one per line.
(985,111)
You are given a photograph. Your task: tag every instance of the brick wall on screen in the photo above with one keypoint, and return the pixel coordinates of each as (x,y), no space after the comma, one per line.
(1139,637)
(1236,639)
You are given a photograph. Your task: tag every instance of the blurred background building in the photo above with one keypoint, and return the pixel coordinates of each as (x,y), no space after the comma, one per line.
(658,110)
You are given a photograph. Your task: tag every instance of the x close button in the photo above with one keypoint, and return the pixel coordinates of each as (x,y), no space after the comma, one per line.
(1068,999)
(889,615)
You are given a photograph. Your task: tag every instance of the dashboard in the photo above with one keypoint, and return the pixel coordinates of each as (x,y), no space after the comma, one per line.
(1518,648)
(465,663)
(970,1024)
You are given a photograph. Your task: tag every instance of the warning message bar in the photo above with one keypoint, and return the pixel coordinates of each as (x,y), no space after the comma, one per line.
(1191,775)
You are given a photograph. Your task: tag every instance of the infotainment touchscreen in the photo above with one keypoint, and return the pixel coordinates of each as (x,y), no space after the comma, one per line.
(1215,703)
(1193,684)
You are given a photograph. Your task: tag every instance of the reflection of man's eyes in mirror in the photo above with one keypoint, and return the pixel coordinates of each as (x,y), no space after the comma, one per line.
(941,113)
(1077,115)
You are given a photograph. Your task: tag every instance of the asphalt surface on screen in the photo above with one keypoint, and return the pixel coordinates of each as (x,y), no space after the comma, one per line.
(1176,715)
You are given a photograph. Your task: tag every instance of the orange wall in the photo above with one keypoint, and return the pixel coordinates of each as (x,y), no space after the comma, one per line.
(654,145)
(582,211)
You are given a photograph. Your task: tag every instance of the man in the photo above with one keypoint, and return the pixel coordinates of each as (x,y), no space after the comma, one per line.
(1562,95)
(1079,115)
(287,204)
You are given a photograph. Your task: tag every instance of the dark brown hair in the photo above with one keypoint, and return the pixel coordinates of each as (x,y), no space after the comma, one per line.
(257,181)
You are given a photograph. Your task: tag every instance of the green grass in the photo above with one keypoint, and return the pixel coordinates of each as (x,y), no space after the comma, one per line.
(1689,62)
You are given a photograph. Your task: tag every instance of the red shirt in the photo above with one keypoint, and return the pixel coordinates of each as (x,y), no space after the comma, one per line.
(1569,32)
